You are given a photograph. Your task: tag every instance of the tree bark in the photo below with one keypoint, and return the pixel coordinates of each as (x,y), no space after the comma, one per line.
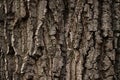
(59,39)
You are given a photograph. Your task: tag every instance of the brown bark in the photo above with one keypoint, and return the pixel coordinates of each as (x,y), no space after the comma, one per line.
(59,40)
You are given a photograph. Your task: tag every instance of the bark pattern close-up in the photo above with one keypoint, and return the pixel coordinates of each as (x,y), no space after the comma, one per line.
(59,39)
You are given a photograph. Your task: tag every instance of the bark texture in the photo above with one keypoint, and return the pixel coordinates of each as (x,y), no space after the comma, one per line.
(59,39)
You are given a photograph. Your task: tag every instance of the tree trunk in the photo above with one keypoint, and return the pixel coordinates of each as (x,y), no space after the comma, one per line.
(59,39)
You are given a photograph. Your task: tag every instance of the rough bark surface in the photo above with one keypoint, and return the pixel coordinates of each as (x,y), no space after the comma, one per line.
(59,39)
